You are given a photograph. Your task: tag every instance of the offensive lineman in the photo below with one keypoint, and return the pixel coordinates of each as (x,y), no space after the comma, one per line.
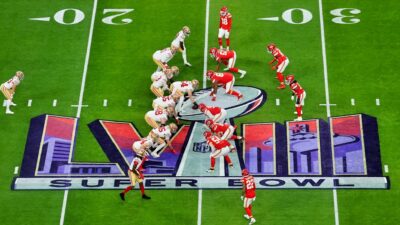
(228,58)
(8,89)
(162,57)
(219,148)
(160,80)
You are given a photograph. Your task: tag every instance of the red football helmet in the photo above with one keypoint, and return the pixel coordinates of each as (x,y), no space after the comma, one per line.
(209,122)
(213,52)
(202,107)
(207,134)
(271,47)
(289,79)
(223,11)
(245,172)
(209,74)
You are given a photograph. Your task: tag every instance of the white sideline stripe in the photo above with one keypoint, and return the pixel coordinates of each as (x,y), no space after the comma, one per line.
(199,206)
(328,105)
(79,105)
(78,113)
(4,103)
(206,44)
(386,168)
(29,102)
(105,102)
(54,102)
(41,19)
(353,102)
(269,18)
(16,170)
(130,102)
(378,102)
(278,102)
(221,166)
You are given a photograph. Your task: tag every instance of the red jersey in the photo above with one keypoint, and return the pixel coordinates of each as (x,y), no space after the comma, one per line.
(212,110)
(221,78)
(278,55)
(219,129)
(217,143)
(223,55)
(296,88)
(225,22)
(249,186)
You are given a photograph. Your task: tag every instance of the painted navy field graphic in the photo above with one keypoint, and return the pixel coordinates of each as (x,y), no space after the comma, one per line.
(342,152)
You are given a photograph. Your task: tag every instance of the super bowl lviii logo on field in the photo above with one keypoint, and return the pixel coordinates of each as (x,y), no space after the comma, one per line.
(342,152)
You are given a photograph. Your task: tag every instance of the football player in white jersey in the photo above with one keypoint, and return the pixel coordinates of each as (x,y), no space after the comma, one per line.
(184,87)
(161,137)
(8,89)
(160,80)
(162,57)
(165,101)
(156,118)
(179,43)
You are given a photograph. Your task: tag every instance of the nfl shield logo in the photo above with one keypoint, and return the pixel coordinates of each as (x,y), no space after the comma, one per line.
(201,147)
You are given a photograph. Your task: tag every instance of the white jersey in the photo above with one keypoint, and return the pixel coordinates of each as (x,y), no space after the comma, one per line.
(158,115)
(137,145)
(163,132)
(180,37)
(182,86)
(164,102)
(159,79)
(12,82)
(164,55)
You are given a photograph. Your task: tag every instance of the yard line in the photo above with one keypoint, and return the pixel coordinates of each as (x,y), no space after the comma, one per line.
(54,102)
(386,168)
(130,102)
(378,102)
(206,44)
(353,102)
(16,170)
(29,102)
(79,106)
(328,109)
(277,101)
(105,101)
(78,113)
(200,201)
(327,104)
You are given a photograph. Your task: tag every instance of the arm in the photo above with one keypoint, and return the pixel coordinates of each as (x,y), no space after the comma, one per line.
(229,23)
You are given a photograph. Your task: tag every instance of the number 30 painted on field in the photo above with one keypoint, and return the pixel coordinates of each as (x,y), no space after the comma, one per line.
(79,16)
(339,14)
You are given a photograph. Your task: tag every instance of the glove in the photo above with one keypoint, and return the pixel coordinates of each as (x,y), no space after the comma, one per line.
(241,197)
(273,67)
(292,98)
(195,105)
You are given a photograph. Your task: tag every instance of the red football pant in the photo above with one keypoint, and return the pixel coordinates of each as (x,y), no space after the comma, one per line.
(280,77)
(228,42)
(141,188)
(212,162)
(298,110)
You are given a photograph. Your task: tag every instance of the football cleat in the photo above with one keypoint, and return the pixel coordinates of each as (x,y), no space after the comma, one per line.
(188,64)
(271,47)
(211,170)
(13,104)
(246,216)
(230,165)
(240,97)
(144,196)
(122,196)
(298,119)
(242,74)
(252,220)
(245,172)
(282,86)
(9,112)
(289,79)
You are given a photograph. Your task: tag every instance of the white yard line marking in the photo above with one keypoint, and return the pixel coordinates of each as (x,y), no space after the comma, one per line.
(16,170)
(105,101)
(54,102)
(327,105)
(78,113)
(206,44)
(29,102)
(353,102)
(41,19)
(378,102)
(4,103)
(221,166)
(199,206)
(269,18)
(79,106)
(130,102)
(328,109)
(277,101)
(386,168)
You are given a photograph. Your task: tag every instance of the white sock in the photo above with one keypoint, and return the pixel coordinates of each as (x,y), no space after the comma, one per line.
(184,56)
(241,71)
(8,103)
(159,148)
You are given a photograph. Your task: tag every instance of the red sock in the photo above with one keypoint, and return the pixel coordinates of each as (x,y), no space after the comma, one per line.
(212,162)
(228,42)
(298,110)
(280,77)
(227,159)
(127,189)
(234,137)
(220,42)
(235,70)
(141,188)
(250,207)
(248,211)
(235,93)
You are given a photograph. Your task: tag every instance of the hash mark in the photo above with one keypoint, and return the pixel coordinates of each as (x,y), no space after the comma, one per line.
(353,102)
(29,102)
(105,102)
(277,101)
(130,102)
(54,102)
(378,102)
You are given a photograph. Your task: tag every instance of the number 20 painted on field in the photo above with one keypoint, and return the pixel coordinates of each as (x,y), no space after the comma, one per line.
(79,16)
(339,14)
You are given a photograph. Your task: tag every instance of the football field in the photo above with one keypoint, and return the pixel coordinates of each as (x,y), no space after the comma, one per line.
(92,60)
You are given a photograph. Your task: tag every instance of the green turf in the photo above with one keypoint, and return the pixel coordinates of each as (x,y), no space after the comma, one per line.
(361,65)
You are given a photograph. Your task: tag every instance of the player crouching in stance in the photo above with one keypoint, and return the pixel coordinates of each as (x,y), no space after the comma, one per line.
(248,194)
(179,43)
(219,148)
(226,80)
(160,80)
(166,101)
(161,137)
(162,57)
(282,62)
(214,113)
(136,175)
(158,117)
(8,89)
(297,92)
(224,131)
(228,58)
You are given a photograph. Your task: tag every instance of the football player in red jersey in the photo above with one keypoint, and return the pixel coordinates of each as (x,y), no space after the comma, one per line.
(214,113)
(299,94)
(136,175)
(219,148)
(228,58)
(248,194)
(225,25)
(282,62)
(224,131)
(226,80)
